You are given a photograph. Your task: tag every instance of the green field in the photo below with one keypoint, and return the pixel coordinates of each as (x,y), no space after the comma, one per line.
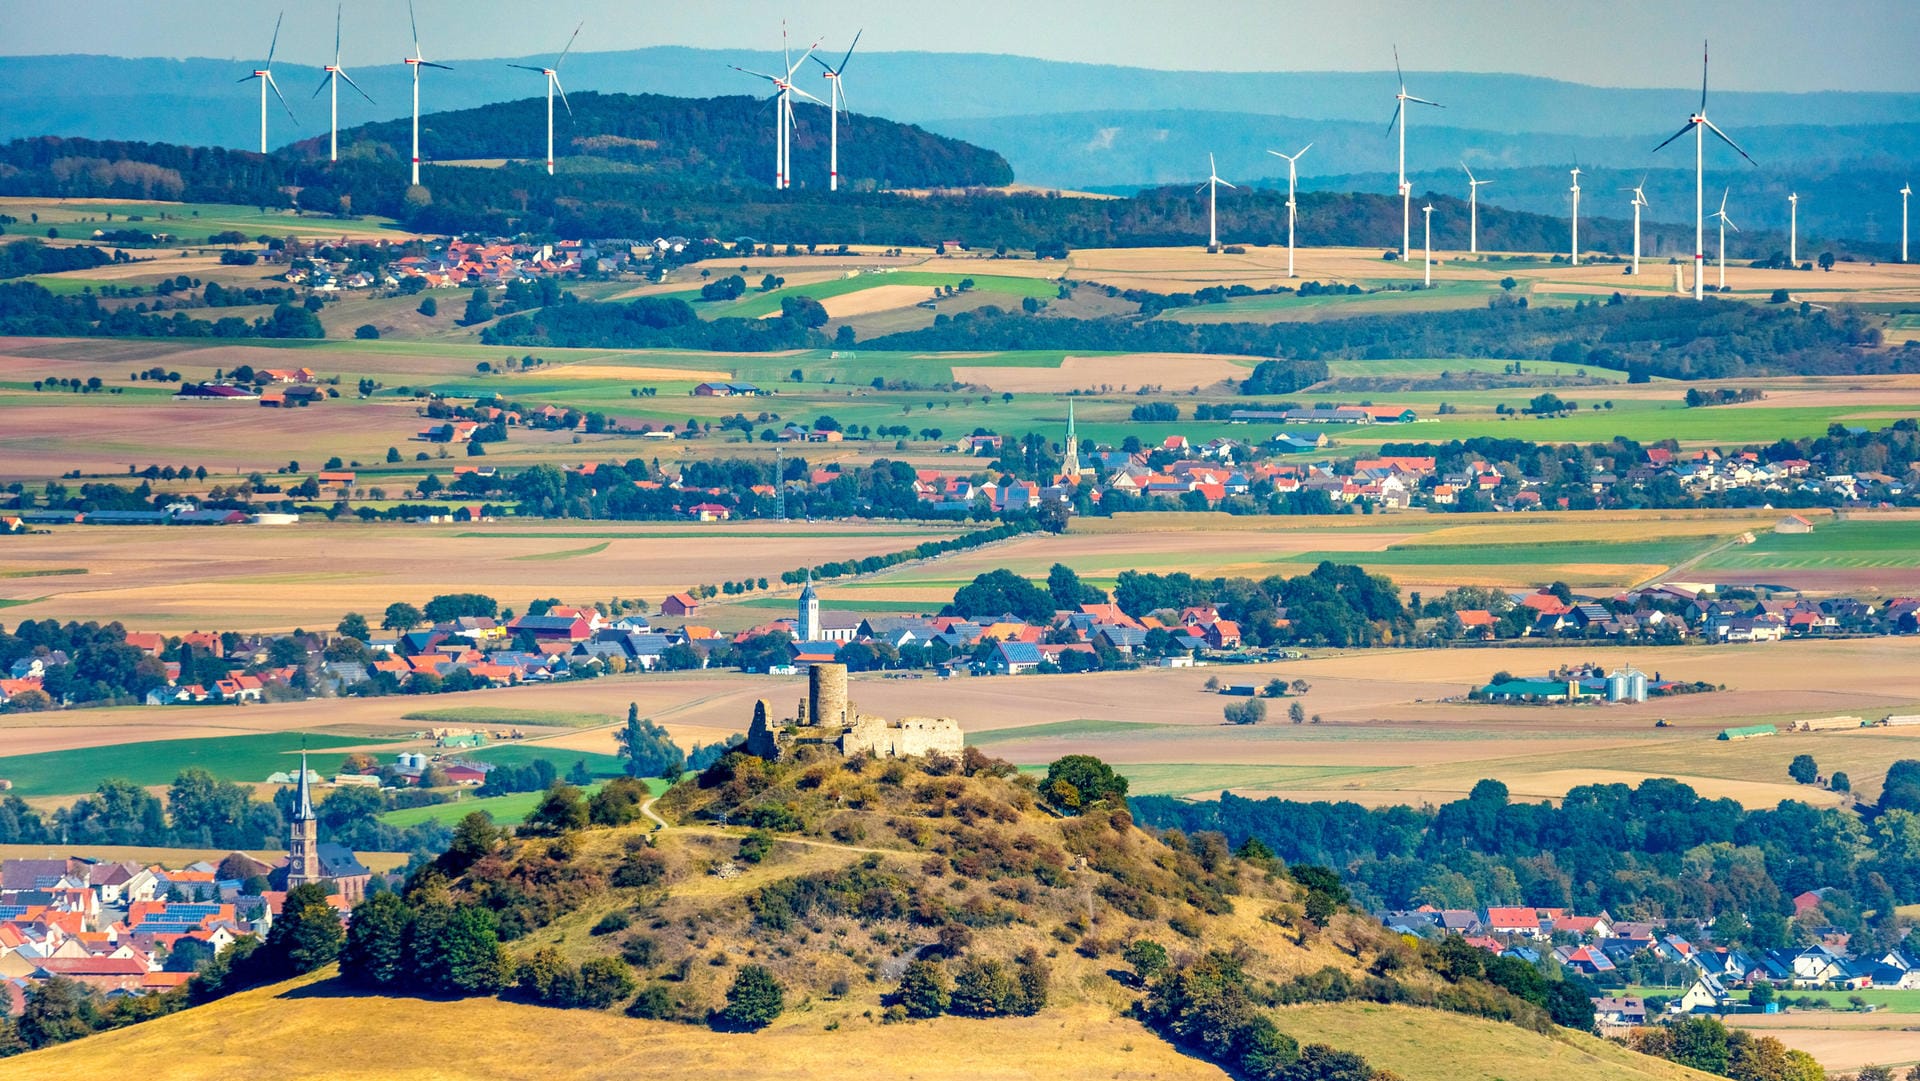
(1889,1000)
(185,222)
(1835,545)
(520,754)
(569,553)
(232,758)
(510,810)
(1432,368)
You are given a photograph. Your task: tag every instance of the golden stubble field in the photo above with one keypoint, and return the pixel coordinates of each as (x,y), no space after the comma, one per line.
(278,577)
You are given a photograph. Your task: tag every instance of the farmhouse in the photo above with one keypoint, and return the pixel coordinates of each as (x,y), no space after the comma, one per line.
(725,390)
(1793,523)
(679,604)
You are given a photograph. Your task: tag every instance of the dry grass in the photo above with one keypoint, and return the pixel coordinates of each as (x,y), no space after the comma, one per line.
(1841,1041)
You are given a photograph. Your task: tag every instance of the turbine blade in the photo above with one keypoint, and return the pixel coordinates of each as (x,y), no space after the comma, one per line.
(282,97)
(246,78)
(1424,101)
(1396,68)
(1469,172)
(569,48)
(1224,184)
(850,48)
(275,44)
(757,74)
(431,64)
(1303,151)
(798,64)
(563,95)
(415,23)
(323,84)
(1684,128)
(1396,116)
(824,66)
(524,67)
(1724,192)
(356,86)
(1703,78)
(1276,153)
(808,96)
(1729,142)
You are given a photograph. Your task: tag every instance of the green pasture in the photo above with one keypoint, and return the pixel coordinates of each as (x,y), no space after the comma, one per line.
(1890,1000)
(185,222)
(755,305)
(60,285)
(1432,368)
(1832,545)
(499,715)
(508,810)
(570,553)
(230,758)
(562,760)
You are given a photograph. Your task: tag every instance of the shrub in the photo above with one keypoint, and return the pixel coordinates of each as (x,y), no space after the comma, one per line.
(923,990)
(753,1001)
(985,988)
(640,951)
(603,982)
(611,922)
(653,1003)
(367,332)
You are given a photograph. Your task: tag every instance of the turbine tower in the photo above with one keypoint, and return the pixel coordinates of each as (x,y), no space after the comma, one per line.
(1905,191)
(1428,211)
(783,91)
(1725,221)
(1292,207)
(417,61)
(264,73)
(1576,216)
(335,73)
(1699,125)
(552,75)
(1473,210)
(835,107)
(1639,201)
(1213,192)
(1400,102)
(1793,229)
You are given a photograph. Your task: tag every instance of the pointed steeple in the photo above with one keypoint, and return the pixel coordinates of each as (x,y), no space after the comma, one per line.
(304,813)
(1072,467)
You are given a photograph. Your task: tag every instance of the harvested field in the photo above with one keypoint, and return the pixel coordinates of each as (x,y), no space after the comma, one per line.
(243,577)
(1836,1042)
(879,298)
(1173,370)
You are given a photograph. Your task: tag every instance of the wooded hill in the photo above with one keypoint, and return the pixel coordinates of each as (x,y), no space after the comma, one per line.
(713,141)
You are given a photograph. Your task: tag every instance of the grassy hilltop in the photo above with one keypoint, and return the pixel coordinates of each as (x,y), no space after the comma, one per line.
(835,876)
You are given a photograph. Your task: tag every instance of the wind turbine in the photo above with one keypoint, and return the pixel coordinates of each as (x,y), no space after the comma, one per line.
(1639,201)
(1473,210)
(264,73)
(1724,223)
(553,83)
(1905,191)
(1793,229)
(416,62)
(1576,216)
(1699,125)
(1428,211)
(335,73)
(783,91)
(1292,208)
(1400,102)
(837,105)
(1213,191)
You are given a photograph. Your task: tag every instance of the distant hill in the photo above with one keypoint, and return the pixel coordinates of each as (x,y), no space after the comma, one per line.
(1038,112)
(725,140)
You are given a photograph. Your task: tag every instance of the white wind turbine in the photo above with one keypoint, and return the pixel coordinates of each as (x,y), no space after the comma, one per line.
(1473,210)
(264,73)
(783,91)
(1213,192)
(1576,216)
(1725,222)
(416,62)
(835,108)
(1699,125)
(552,75)
(1400,102)
(1793,229)
(335,73)
(1639,201)
(1428,211)
(1292,208)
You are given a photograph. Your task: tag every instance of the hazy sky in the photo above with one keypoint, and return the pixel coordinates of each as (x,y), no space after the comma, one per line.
(1759,44)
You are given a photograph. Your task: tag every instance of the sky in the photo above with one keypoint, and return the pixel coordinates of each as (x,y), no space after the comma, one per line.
(1785,45)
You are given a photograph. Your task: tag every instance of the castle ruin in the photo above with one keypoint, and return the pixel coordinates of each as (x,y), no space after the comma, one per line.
(826,718)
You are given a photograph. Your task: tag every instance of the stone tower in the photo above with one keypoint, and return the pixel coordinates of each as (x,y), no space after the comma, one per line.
(827,696)
(807,627)
(303,837)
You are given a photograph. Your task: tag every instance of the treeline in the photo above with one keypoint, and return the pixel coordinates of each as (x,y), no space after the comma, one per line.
(28,309)
(1332,605)
(24,257)
(1656,851)
(652,323)
(1667,336)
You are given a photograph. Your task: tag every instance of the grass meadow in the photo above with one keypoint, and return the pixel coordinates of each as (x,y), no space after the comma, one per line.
(245,759)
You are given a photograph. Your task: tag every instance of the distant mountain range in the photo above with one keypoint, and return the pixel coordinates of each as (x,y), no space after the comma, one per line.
(1059,124)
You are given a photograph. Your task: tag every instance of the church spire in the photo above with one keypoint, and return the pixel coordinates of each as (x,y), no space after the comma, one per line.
(304,812)
(1072,467)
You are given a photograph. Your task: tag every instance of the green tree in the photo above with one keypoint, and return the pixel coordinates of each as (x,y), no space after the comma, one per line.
(400,616)
(354,625)
(1077,782)
(57,1010)
(618,802)
(375,953)
(559,810)
(985,988)
(1147,958)
(479,310)
(1699,1042)
(308,932)
(648,749)
(753,1001)
(603,982)
(1803,769)
(1252,711)
(923,990)
(454,949)
(474,838)
(1263,1052)
(429,307)
(1840,782)
(1297,713)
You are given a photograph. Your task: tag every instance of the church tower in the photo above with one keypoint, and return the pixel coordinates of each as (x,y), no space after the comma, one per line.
(303,837)
(807,627)
(1073,468)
